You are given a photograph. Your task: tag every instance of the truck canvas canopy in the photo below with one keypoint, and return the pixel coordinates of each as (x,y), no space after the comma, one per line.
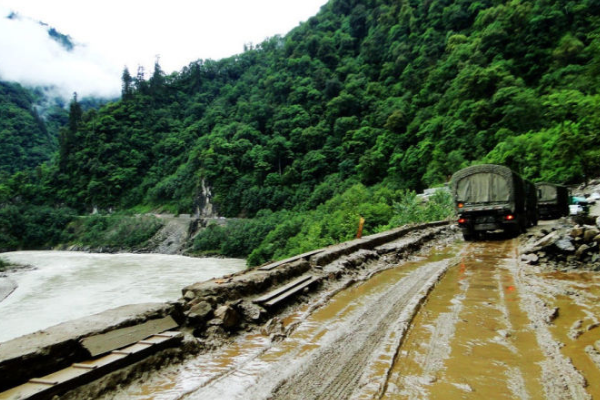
(483,188)
(484,184)
(546,192)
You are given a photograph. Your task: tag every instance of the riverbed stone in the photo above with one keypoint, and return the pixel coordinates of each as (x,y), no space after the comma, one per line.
(189,295)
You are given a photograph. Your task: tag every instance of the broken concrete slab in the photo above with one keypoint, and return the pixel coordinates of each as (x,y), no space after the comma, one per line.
(57,347)
(105,342)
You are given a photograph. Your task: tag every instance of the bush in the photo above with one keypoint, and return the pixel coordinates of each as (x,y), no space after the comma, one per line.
(279,235)
(115,231)
(239,237)
(32,227)
(410,208)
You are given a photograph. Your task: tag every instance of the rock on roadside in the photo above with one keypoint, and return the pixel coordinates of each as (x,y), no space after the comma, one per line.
(564,244)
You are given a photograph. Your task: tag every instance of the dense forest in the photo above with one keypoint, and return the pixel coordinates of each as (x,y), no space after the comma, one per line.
(374,98)
(25,141)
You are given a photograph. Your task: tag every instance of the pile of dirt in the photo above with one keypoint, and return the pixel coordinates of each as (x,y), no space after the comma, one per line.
(564,244)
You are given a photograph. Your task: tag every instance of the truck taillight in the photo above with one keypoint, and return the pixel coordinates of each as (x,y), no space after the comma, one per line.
(509,217)
(460,205)
(462,220)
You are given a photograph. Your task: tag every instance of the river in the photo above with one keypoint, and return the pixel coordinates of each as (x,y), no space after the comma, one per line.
(66,285)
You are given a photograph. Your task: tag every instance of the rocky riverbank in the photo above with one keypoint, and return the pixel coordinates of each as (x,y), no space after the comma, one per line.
(7,286)
(212,312)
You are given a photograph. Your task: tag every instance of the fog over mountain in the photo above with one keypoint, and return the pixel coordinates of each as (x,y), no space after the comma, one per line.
(112,34)
(34,57)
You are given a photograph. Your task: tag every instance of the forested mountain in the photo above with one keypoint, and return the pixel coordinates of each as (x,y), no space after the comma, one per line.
(30,120)
(31,116)
(25,141)
(404,92)
(393,93)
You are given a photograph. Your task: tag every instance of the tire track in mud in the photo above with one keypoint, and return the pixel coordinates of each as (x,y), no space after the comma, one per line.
(471,339)
(560,378)
(442,330)
(336,371)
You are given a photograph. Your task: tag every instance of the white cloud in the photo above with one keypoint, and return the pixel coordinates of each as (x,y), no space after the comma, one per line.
(117,33)
(31,57)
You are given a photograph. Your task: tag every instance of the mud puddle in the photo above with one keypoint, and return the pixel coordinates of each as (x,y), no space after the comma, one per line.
(471,340)
(251,367)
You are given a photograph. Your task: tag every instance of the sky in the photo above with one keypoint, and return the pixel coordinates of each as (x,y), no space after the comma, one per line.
(113,34)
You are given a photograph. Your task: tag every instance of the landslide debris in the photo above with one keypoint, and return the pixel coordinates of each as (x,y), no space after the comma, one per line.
(564,244)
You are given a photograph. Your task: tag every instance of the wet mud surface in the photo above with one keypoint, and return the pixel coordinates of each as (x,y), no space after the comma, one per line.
(471,340)
(465,321)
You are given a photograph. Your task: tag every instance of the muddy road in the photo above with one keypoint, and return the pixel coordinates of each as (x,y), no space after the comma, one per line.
(460,321)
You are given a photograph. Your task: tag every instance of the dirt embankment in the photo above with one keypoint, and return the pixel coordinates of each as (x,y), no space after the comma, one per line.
(178,232)
(173,237)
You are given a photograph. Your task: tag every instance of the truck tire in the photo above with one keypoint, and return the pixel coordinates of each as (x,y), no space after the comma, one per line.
(469,236)
(513,230)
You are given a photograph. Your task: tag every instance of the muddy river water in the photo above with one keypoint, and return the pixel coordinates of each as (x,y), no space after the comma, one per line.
(66,285)
(467,321)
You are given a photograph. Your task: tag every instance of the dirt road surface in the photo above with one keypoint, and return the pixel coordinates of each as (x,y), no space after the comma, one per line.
(462,321)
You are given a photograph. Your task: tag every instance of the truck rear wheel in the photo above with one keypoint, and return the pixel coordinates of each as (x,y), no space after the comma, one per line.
(513,230)
(469,236)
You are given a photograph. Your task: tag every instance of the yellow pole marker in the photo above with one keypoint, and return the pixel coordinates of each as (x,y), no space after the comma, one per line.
(361,223)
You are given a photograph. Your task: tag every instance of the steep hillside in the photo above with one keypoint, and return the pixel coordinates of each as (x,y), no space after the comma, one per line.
(403,92)
(24,139)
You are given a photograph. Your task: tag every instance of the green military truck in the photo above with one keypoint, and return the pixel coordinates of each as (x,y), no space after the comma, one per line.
(490,197)
(553,200)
